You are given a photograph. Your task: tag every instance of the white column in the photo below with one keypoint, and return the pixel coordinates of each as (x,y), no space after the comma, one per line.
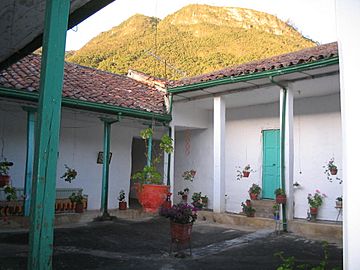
(289,147)
(219,155)
(348,24)
(172,164)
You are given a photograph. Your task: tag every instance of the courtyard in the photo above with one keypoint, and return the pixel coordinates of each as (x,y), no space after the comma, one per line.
(144,243)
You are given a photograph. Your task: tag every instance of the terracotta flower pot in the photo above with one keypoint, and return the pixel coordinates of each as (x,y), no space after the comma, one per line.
(338,204)
(122,205)
(246,173)
(281,199)
(180,233)
(254,196)
(334,171)
(4,180)
(151,197)
(313,210)
(79,208)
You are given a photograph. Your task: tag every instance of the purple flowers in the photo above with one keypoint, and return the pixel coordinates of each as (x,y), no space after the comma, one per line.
(182,213)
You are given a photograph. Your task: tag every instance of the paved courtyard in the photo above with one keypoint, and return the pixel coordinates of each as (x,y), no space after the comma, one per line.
(144,244)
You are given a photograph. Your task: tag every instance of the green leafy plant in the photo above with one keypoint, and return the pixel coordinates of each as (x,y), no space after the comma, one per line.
(255,189)
(70,174)
(182,213)
(121,196)
(316,200)
(5,167)
(198,200)
(240,171)
(10,193)
(279,191)
(247,208)
(149,174)
(189,175)
(329,167)
(76,198)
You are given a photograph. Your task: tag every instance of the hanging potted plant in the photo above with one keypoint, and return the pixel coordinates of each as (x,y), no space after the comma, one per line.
(121,199)
(280,196)
(184,194)
(247,209)
(151,191)
(338,202)
(254,191)
(4,172)
(331,167)
(243,172)
(77,199)
(315,201)
(182,216)
(69,174)
(189,175)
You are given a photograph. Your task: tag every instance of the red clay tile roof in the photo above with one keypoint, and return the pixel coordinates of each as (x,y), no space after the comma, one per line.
(276,62)
(87,84)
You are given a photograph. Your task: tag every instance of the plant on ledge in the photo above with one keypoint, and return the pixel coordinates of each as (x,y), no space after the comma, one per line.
(338,202)
(77,199)
(280,196)
(247,209)
(70,174)
(121,199)
(254,191)
(199,201)
(315,201)
(4,172)
(10,193)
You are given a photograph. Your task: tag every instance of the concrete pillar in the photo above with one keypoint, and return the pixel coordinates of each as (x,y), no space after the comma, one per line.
(348,23)
(287,103)
(219,155)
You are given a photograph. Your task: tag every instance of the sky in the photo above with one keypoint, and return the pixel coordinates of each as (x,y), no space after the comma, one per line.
(313,18)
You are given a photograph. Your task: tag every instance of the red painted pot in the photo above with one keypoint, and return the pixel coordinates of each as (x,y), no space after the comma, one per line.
(313,210)
(281,199)
(248,203)
(180,233)
(122,205)
(253,196)
(246,173)
(167,204)
(333,171)
(4,180)
(79,208)
(151,197)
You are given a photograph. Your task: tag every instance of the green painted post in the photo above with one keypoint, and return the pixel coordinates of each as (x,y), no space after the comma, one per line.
(47,136)
(105,172)
(169,162)
(149,154)
(282,154)
(30,150)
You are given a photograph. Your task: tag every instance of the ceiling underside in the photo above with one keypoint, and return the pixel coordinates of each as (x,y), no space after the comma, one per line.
(22,25)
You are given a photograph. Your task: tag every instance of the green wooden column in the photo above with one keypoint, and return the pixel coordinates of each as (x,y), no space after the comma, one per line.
(106,165)
(47,136)
(30,150)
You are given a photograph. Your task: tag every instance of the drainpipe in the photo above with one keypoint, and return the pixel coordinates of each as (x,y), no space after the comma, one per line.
(169,161)
(282,148)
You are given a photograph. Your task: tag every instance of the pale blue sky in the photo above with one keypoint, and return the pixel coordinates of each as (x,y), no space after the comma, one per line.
(314,18)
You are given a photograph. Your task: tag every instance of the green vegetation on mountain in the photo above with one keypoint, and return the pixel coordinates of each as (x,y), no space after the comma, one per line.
(194,40)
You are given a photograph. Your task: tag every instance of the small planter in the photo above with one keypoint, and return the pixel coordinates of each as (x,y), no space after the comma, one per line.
(333,171)
(246,174)
(276,216)
(180,233)
(204,201)
(4,180)
(79,208)
(281,199)
(313,210)
(122,205)
(338,204)
(253,196)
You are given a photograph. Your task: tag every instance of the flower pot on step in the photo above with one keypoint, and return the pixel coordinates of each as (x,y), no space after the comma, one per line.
(253,196)
(122,205)
(281,199)
(4,180)
(79,208)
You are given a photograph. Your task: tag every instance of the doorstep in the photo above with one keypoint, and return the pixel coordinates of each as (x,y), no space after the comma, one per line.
(319,230)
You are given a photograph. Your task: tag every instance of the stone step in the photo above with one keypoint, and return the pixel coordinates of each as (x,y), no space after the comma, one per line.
(264,208)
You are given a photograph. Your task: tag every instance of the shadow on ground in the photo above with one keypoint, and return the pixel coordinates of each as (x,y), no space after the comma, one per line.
(122,244)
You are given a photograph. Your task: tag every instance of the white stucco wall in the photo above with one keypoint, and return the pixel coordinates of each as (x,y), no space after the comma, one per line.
(317,138)
(81,138)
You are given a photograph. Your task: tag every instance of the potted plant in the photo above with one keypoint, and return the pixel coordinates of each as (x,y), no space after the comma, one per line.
(77,199)
(69,174)
(280,196)
(121,199)
(184,194)
(150,189)
(247,209)
(189,175)
(167,203)
(10,193)
(196,200)
(315,201)
(182,216)
(331,167)
(254,191)
(276,211)
(338,202)
(4,172)
(245,172)
(204,201)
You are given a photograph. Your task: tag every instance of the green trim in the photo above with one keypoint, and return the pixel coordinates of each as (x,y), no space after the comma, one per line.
(86,105)
(282,153)
(255,76)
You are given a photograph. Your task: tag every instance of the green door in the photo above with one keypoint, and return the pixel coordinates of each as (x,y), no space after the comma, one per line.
(271,163)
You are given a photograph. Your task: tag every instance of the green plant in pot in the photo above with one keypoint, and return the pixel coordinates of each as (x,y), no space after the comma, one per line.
(121,199)
(248,209)
(315,201)
(4,172)
(338,202)
(10,193)
(276,211)
(151,191)
(184,194)
(254,191)
(280,196)
(77,199)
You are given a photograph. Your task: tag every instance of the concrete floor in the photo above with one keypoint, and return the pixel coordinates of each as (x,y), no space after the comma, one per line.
(145,243)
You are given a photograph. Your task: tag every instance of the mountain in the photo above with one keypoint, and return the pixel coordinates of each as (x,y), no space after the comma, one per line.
(192,41)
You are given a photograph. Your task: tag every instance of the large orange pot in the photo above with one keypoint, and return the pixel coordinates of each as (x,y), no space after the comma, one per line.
(151,197)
